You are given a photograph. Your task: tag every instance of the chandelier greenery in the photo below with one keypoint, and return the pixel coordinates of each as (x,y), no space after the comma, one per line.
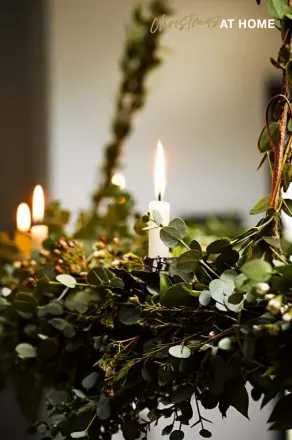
(114,342)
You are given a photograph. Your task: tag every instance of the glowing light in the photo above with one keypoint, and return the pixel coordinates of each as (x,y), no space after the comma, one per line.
(23,218)
(119,180)
(38,204)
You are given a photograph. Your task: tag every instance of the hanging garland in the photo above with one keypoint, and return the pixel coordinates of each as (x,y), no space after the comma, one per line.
(140,57)
(121,345)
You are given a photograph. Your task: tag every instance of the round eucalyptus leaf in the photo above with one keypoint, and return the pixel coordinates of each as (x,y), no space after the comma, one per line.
(257,270)
(25,303)
(66,280)
(69,331)
(117,283)
(178,294)
(235,298)
(26,351)
(79,434)
(180,226)
(180,351)
(170,236)
(188,261)
(181,394)
(196,246)
(205,433)
(176,435)
(217,246)
(221,307)
(128,315)
(103,408)
(205,298)
(90,380)
(216,288)
(225,344)
(58,323)
(54,309)
(167,430)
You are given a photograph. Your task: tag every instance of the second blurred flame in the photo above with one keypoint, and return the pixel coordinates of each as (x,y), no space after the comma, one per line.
(23,218)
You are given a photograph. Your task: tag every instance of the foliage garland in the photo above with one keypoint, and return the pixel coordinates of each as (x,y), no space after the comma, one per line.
(112,338)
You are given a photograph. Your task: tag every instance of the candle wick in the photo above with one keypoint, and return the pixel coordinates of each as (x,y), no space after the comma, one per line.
(159,197)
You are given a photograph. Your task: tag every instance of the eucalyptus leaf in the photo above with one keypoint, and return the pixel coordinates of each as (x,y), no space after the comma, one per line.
(54,309)
(287,207)
(257,270)
(90,380)
(117,283)
(205,298)
(129,314)
(58,323)
(261,206)
(103,408)
(99,276)
(196,246)
(217,246)
(79,434)
(225,344)
(180,226)
(165,283)
(182,393)
(275,9)
(273,241)
(26,303)
(180,351)
(170,236)
(178,294)
(66,280)
(264,142)
(26,351)
(205,433)
(216,288)
(176,435)
(188,261)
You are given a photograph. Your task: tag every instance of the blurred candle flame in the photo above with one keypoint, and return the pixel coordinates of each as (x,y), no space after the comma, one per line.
(119,180)
(38,204)
(160,173)
(23,218)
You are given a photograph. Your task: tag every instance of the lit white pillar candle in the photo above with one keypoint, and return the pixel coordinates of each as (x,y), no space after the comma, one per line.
(22,237)
(158,209)
(39,232)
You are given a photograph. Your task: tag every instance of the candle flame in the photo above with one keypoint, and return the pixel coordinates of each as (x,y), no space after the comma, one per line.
(160,175)
(23,218)
(38,204)
(119,180)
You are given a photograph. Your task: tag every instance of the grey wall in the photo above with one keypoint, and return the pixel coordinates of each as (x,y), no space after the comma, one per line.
(22,103)
(22,135)
(206,104)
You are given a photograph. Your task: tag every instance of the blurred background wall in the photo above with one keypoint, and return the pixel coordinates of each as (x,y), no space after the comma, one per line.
(23,109)
(206,104)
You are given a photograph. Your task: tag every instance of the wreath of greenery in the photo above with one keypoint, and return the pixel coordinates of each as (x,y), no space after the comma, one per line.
(117,343)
